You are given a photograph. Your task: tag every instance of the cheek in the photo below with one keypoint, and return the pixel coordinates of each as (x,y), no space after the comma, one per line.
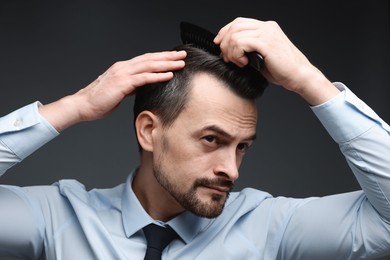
(186,166)
(186,157)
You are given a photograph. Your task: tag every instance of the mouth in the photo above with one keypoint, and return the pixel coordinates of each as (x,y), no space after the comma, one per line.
(219,189)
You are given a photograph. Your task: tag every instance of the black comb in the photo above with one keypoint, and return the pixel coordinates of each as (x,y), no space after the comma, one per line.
(203,39)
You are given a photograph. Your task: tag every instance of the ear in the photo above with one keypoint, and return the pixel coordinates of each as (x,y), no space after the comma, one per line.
(145,124)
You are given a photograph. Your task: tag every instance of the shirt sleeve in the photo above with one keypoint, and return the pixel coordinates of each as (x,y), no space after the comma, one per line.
(354,225)
(364,139)
(346,116)
(21,222)
(21,133)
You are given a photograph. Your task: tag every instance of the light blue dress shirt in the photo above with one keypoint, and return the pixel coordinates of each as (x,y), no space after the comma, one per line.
(65,221)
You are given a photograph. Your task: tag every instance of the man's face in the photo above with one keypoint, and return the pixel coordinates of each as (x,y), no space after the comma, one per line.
(198,157)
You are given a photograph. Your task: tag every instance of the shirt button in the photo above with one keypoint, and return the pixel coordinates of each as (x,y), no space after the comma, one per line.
(18,123)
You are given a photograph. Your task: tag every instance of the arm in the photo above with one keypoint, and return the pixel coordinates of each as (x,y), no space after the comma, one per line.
(102,96)
(25,130)
(22,227)
(21,133)
(285,65)
(341,226)
(353,225)
(364,139)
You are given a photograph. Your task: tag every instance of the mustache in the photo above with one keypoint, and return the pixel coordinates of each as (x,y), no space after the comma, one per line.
(219,182)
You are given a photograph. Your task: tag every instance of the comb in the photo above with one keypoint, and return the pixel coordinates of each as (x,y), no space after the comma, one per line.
(203,39)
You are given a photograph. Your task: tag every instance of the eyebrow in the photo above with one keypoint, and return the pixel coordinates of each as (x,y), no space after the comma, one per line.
(220,131)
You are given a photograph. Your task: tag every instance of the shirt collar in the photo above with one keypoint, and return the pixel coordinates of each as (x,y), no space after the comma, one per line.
(134,217)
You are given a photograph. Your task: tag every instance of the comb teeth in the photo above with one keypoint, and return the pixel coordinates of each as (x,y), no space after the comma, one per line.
(204,39)
(199,37)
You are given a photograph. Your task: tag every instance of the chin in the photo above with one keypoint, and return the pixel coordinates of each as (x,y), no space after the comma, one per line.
(211,208)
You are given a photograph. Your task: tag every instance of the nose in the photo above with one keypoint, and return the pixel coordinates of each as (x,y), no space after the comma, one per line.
(227,165)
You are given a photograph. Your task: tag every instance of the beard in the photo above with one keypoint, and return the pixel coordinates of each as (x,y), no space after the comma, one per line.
(189,199)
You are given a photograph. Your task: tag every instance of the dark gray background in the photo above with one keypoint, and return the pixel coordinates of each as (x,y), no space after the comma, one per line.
(49,49)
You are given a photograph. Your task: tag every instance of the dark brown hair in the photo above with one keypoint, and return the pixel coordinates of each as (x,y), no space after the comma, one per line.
(167,99)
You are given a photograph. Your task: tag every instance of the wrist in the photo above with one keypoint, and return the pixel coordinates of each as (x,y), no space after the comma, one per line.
(62,113)
(316,88)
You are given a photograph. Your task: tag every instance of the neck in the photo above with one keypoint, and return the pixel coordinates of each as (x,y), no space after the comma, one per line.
(156,201)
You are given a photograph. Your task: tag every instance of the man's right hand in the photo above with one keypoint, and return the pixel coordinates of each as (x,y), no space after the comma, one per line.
(285,64)
(103,95)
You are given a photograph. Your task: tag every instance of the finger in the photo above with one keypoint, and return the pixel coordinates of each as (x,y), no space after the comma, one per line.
(236,25)
(151,62)
(238,45)
(151,67)
(221,33)
(131,83)
(156,56)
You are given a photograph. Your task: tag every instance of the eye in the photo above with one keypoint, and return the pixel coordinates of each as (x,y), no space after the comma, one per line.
(243,147)
(210,139)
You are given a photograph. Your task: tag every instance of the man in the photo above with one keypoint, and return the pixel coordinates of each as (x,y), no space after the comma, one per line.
(191,148)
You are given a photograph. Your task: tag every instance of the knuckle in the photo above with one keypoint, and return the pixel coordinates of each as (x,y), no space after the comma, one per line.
(150,66)
(272,24)
(140,79)
(148,55)
(114,67)
(235,39)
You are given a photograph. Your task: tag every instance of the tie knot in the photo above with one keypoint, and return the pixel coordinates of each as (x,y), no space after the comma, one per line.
(158,238)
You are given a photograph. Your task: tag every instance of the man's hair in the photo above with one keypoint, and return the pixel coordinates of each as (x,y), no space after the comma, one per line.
(167,99)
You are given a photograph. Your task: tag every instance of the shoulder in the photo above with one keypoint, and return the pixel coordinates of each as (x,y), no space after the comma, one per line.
(247,198)
(69,192)
(76,192)
(256,202)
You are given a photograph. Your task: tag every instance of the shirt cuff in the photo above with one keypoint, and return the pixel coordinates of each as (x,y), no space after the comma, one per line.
(25,130)
(346,116)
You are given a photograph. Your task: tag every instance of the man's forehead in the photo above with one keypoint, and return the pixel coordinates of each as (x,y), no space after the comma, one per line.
(208,88)
(211,99)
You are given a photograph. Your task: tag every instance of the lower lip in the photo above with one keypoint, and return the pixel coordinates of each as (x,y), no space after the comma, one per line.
(216,190)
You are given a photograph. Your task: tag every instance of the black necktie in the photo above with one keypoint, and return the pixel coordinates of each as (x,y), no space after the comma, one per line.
(158,238)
